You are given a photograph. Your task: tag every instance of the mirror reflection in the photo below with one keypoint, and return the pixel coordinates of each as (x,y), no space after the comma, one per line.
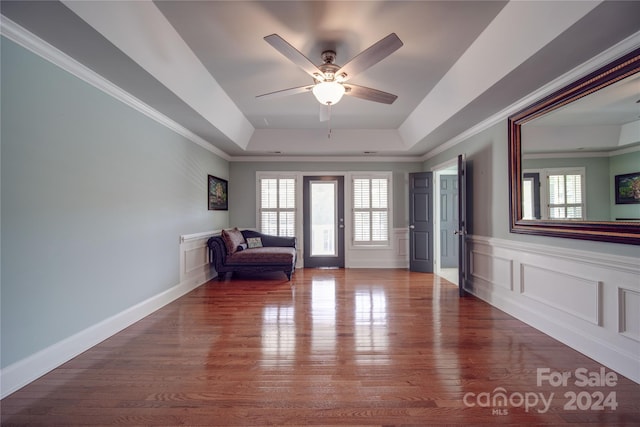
(579,161)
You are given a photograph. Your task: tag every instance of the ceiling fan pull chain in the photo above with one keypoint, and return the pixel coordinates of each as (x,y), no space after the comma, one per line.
(329,121)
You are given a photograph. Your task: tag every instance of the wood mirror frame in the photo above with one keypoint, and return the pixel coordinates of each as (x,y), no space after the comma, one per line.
(609,231)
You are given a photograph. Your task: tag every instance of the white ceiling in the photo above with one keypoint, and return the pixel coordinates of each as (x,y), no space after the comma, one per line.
(202,63)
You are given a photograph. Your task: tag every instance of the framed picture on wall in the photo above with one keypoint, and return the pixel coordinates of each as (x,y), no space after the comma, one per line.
(218,194)
(628,188)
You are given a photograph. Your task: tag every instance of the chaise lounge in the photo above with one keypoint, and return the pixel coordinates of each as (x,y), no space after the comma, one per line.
(251,251)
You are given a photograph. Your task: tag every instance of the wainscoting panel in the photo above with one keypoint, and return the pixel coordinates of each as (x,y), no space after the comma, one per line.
(629,303)
(576,295)
(194,258)
(493,270)
(589,301)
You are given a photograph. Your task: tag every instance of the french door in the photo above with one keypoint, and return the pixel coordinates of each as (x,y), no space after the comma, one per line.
(323,221)
(463,211)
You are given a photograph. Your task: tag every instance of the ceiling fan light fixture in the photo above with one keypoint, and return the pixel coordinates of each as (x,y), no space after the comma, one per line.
(328,93)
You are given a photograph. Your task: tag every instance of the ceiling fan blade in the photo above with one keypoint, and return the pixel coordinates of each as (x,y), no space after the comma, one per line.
(369,94)
(371,56)
(294,55)
(286,92)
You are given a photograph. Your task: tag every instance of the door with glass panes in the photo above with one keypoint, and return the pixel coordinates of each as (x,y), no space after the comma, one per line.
(323,221)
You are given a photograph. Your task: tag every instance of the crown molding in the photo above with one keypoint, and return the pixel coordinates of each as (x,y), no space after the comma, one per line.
(36,45)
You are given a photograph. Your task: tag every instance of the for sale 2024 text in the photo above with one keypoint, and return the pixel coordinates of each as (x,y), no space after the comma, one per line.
(590,395)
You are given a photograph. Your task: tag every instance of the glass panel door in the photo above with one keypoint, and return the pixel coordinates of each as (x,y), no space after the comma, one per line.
(323,221)
(323,218)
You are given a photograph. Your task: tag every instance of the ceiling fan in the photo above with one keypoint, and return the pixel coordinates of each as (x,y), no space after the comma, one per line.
(330,79)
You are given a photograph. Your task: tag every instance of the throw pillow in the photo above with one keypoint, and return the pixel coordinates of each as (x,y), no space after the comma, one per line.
(232,239)
(254,242)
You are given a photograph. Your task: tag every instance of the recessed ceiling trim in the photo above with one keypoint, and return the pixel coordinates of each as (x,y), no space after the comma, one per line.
(304,141)
(333,159)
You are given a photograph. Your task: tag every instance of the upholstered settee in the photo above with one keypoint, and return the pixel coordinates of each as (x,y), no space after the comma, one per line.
(251,251)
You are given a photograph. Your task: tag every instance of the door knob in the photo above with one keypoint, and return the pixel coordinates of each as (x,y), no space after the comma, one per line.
(412,226)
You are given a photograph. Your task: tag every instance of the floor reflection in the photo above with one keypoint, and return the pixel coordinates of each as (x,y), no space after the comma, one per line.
(323,315)
(371,333)
(278,335)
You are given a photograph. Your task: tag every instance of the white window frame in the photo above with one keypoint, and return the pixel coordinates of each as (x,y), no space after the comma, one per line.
(296,209)
(389,209)
(544,190)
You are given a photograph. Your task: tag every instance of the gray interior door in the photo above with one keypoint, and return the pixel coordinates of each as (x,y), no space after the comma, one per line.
(463,211)
(421,222)
(323,212)
(535,185)
(449,221)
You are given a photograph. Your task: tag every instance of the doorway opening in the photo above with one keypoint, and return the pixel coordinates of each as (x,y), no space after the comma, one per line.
(446,221)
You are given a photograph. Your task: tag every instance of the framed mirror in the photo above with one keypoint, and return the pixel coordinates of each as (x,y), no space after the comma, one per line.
(574,158)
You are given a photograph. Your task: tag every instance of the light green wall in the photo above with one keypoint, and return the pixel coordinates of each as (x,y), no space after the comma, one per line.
(598,192)
(488,193)
(94,198)
(242,184)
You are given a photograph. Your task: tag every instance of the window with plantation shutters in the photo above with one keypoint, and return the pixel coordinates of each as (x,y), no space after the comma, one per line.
(370,210)
(565,193)
(278,206)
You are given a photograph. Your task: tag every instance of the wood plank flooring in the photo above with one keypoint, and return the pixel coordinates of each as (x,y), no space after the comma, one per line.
(333,347)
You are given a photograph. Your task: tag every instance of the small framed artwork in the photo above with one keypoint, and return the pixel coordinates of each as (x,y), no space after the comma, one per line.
(627,188)
(218,194)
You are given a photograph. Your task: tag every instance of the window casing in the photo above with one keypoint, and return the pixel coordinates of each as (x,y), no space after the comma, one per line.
(371,213)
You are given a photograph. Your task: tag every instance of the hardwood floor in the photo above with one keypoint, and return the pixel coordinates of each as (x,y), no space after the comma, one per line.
(339,347)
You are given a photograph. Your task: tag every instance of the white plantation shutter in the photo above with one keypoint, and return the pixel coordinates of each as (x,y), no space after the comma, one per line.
(269,222)
(362,231)
(361,193)
(379,227)
(287,193)
(565,194)
(286,224)
(370,210)
(277,206)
